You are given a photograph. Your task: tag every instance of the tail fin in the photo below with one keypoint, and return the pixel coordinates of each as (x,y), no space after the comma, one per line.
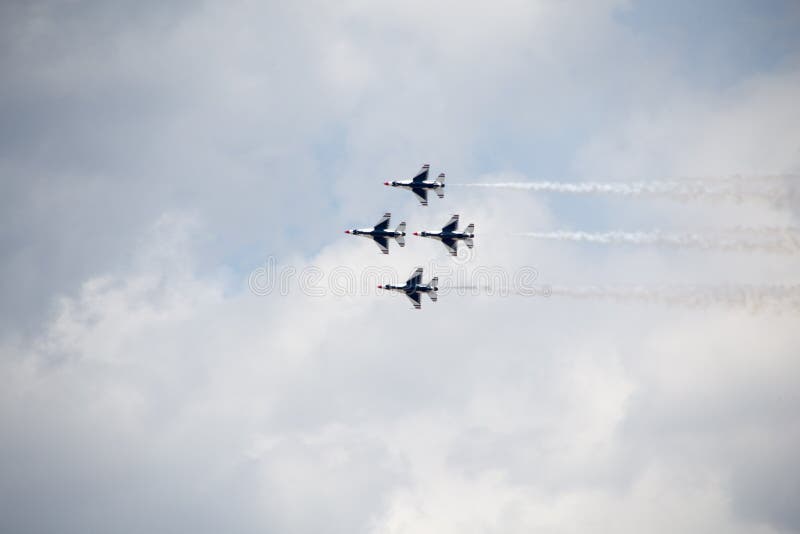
(439,190)
(434,295)
(401,229)
(469,230)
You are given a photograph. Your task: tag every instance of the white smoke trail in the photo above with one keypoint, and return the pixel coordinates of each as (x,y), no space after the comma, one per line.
(749,297)
(775,189)
(768,239)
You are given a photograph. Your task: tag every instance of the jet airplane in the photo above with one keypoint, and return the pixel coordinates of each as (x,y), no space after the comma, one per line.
(381,234)
(419,185)
(450,236)
(414,288)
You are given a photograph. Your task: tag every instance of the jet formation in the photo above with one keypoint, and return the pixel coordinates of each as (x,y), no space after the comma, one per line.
(449,235)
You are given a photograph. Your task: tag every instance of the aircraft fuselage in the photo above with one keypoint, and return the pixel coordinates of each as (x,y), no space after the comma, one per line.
(425,288)
(369,232)
(408,184)
(447,235)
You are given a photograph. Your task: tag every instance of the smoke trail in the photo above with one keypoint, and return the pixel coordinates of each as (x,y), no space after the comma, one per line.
(775,189)
(752,298)
(769,239)
(749,297)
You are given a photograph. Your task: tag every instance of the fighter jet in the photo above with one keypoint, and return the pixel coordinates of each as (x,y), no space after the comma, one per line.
(419,185)
(414,288)
(381,235)
(449,236)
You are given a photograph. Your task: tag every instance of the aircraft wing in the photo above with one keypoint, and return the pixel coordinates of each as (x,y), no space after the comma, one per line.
(422,195)
(416,278)
(452,246)
(451,225)
(382,242)
(383,224)
(415,299)
(422,175)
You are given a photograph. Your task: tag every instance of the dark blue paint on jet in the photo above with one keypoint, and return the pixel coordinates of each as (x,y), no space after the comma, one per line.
(419,185)
(450,236)
(414,288)
(381,235)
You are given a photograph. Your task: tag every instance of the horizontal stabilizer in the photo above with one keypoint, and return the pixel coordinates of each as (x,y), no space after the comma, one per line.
(400,240)
(401,228)
(434,295)
(468,241)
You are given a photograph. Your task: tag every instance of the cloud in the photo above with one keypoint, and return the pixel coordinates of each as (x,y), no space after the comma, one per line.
(161,154)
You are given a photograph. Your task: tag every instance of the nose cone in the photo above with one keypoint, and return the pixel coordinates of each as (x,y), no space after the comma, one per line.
(416,233)
(386,183)
(347,231)
(380,287)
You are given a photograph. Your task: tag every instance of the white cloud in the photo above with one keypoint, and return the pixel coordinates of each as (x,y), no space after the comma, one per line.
(162,396)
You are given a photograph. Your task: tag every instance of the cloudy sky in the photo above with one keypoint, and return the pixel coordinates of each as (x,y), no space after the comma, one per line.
(155,155)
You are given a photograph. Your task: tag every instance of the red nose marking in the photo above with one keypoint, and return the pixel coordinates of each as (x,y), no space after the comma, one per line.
(380,287)
(416,233)
(347,231)
(385,183)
